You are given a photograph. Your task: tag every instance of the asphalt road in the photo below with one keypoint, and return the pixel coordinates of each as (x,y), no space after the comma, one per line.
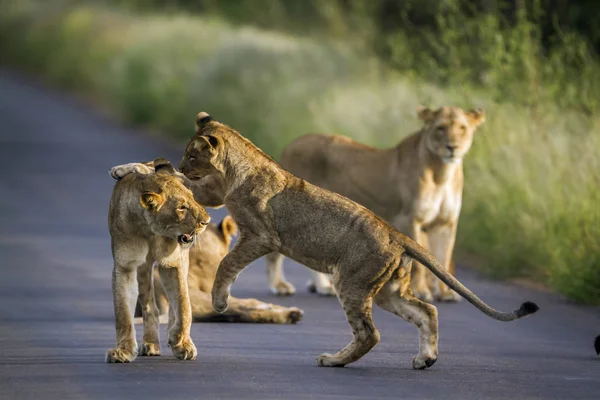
(56,318)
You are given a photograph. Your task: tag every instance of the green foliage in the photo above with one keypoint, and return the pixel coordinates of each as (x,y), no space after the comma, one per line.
(532,176)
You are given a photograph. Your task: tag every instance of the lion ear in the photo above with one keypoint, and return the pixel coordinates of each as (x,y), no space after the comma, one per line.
(228,228)
(152,201)
(476,117)
(163,166)
(202,118)
(207,141)
(425,114)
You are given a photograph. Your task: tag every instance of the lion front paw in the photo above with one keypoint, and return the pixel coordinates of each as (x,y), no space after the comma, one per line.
(328,360)
(283,288)
(294,315)
(185,350)
(149,349)
(422,362)
(120,355)
(220,301)
(119,171)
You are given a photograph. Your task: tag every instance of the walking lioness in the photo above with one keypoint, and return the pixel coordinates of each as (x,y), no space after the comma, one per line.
(279,212)
(152,218)
(416,186)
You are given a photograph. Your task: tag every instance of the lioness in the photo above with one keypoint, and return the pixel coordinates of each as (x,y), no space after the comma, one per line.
(152,218)
(279,212)
(204,259)
(416,186)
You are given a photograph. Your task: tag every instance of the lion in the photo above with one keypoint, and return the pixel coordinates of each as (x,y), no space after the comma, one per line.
(416,186)
(152,218)
(369,260)
(204,258)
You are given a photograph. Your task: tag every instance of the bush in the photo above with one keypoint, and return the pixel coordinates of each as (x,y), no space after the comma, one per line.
(532,177)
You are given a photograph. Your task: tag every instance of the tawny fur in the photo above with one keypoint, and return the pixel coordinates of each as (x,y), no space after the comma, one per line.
(149,215)
(416,186)
(278,212)
(205,256)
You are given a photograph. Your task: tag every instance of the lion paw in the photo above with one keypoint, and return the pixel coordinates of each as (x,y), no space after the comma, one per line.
(220,300)
(421,362)
(448,297)
(323,290)
(328,360)
(149,349)
(220,304)
(326,291)
(120,355)
(185,350)
(119,171)
(283,288)
(294,315)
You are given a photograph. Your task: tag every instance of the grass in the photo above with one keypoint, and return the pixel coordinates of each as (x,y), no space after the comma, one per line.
(532,194)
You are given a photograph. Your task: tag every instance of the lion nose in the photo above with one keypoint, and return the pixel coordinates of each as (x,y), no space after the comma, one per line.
(450,148)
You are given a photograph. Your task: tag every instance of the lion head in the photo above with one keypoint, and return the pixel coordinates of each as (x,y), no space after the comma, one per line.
(448,131)
(169,208)
(205,157)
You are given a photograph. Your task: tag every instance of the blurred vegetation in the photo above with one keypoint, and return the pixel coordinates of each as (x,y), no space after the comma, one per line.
(277,69)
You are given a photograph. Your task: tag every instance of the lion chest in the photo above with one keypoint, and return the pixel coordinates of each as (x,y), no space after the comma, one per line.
(438,205)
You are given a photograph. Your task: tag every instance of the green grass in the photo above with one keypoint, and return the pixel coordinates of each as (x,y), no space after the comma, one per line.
(532,192)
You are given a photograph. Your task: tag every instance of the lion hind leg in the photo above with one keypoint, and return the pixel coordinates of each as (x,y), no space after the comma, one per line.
(397,298)
(365,334)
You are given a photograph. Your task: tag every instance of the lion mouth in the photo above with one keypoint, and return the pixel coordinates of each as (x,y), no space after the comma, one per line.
(186,238)
(450,160)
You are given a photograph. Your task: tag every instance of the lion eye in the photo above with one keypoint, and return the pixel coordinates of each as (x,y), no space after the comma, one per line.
(182,208)
(191,158)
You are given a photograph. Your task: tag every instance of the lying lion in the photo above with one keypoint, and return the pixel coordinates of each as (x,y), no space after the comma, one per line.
(204,259)
(416,186)
(152,218)
(278,212)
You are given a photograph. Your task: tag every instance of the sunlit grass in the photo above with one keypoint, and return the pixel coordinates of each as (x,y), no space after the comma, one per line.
(532,192)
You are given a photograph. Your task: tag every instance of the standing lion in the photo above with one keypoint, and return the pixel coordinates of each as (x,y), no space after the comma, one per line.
(416,186)
(204,258)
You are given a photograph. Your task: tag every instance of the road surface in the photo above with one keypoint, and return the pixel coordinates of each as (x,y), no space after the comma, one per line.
(56,318)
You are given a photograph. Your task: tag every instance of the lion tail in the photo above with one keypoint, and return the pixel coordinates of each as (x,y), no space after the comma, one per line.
(417,252)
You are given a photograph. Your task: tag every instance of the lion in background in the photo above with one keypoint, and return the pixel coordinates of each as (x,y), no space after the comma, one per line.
(204,258)
(416,186)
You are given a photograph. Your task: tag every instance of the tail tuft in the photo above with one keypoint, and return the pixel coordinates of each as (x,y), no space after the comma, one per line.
(597,344)
(527,308)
